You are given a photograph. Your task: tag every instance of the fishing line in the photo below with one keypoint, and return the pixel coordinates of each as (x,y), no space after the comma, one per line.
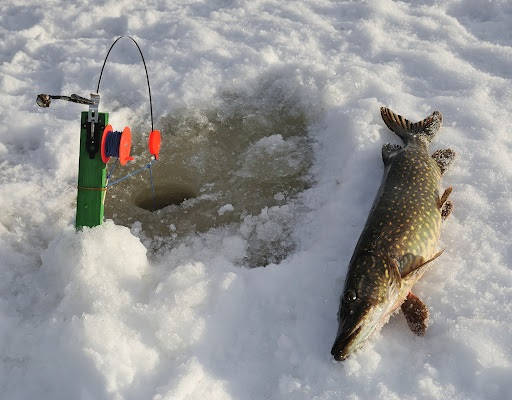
(109,173)
(112,144)
(147,166)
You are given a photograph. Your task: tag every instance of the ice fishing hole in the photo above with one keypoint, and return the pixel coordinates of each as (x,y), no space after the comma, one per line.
(238,166)
(167,195)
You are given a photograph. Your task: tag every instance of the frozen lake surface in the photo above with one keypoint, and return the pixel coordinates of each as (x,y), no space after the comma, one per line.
(270,115)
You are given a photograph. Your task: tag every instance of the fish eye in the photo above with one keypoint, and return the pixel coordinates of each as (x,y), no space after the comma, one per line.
(350,296)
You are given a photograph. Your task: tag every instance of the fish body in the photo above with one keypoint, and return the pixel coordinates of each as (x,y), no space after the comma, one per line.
(399,238)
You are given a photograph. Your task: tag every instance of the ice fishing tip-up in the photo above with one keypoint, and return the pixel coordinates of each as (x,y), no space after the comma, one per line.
(99,142)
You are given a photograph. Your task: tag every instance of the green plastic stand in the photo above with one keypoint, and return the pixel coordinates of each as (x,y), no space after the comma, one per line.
(91,179)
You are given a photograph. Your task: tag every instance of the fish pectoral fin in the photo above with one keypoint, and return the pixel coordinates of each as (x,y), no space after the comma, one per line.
(443,158)
(388,151)
(412,265)
(444,197)
(416,313)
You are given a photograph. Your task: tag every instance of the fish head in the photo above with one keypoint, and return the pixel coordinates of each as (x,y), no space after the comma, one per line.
(371,291)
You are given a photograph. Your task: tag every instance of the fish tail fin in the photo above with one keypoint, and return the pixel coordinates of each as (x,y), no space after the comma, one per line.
(425,129)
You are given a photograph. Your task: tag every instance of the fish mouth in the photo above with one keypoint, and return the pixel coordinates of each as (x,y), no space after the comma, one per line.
(340,347)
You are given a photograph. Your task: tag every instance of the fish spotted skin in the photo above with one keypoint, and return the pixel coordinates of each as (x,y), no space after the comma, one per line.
(399,238)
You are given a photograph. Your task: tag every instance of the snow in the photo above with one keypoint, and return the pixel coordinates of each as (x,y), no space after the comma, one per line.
(225,208)
(109,313)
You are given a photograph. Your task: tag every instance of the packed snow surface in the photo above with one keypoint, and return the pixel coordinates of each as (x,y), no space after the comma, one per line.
(105,314)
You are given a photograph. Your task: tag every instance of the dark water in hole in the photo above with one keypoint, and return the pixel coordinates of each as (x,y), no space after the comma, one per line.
(239,164)
(164,195)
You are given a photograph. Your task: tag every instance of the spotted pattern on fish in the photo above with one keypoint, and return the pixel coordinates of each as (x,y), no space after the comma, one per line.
(405,218)
(400,236)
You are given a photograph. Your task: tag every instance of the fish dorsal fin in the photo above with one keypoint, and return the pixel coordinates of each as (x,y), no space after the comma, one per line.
(411,265)
(426,128)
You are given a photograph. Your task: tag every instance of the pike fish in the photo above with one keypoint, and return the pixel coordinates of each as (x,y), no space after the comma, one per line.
(399,239)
